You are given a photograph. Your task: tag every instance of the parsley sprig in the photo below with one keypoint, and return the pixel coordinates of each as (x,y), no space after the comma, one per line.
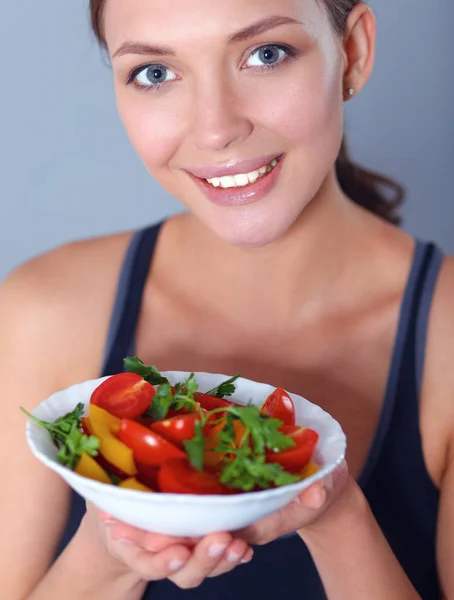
(227,388)
(67,435)
(148,372)
(244,465)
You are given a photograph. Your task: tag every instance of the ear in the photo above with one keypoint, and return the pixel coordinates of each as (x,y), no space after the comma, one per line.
(359,48)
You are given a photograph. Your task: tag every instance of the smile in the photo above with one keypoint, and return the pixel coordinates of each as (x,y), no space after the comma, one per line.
(243,179)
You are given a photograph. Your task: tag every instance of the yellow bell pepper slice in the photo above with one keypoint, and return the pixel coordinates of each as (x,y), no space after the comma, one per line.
(133,484)
(104,426)
(88,467)
(309,470)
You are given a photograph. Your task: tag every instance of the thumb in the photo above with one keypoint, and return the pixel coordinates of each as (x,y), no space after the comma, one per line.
(313,497)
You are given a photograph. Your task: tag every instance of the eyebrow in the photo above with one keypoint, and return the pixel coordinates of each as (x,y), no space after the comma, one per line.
(248,32)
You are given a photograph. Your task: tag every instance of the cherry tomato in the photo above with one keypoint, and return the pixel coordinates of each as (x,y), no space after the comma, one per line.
(147,446)
(296,458)
(177,429)
(279,405)
(147,475)
(126,395)
(179,477)
(211,402)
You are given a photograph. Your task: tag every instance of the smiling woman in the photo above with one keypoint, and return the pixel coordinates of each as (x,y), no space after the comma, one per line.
(276,270)
(375,192)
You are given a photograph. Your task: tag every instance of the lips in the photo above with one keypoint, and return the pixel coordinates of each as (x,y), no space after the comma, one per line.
(238,196)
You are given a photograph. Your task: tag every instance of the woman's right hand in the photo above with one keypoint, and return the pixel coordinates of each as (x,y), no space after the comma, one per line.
(152,557)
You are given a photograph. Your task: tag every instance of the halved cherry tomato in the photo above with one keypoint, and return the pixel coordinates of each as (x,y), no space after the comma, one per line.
(133,484)
(177,429)
(296,458)
(179,477)
(211,402)
(147,475)
(147,446)
(126,395)
(279,405)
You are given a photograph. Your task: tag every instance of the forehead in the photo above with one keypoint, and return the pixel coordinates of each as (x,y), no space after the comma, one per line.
(177,22)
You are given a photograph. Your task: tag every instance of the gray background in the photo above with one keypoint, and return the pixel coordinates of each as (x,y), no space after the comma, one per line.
(67,170)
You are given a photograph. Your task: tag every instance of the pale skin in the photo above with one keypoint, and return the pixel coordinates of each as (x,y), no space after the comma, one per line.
(291,291)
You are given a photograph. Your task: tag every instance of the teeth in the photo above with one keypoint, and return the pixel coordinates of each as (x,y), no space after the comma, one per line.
(241,180)
(253,176)
(227,182)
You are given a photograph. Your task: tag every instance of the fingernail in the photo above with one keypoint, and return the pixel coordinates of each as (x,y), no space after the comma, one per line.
(249,556)
(217,550)
(175,565)
(233,557)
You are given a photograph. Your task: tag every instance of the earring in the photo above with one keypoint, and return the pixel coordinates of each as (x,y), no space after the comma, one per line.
(351,92)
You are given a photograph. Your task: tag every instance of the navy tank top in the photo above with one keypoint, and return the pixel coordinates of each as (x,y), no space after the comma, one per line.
(394,479)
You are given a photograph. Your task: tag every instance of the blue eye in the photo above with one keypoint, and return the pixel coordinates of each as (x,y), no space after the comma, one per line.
(152,76)
(268,56)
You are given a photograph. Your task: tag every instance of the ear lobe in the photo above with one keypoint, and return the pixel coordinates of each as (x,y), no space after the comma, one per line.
(359,48)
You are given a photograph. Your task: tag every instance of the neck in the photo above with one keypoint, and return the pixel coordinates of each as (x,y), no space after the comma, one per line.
(295,274)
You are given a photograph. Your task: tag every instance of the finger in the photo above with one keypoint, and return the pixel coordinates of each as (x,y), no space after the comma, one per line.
(154,567)
(206,556)
(238,553)
(154,542)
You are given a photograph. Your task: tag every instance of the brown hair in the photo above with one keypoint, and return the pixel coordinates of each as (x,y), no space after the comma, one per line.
(375,192)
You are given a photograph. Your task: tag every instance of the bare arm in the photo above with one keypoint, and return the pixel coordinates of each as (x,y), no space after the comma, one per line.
(43,323)
(352,555)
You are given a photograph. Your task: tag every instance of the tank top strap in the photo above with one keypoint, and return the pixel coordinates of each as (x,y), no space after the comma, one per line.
(125,314)
(407,364)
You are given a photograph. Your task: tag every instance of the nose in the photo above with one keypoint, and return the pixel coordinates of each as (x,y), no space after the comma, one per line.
(219,119)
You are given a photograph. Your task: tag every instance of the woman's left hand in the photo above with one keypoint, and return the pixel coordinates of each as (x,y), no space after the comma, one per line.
(315,504)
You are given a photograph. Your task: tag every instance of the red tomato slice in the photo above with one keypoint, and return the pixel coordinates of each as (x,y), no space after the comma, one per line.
(296,458)
(177,429)
(211,402)
(179,477)
(126,395)
(147,446)
(279,405)
(147,475)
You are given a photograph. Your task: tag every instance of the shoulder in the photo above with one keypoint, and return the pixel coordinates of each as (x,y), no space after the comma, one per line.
(437,394)
(60,303)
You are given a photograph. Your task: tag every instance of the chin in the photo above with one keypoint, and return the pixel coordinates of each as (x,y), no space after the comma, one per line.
(255,227)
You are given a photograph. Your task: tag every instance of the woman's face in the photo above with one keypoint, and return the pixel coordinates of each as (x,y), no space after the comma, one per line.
(209,89)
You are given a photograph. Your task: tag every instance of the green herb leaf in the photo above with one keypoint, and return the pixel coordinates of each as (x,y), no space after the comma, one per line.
(225,389)
(162,402)
(248,472)
(195,448)
(67,436)
(148,372)
(264,430)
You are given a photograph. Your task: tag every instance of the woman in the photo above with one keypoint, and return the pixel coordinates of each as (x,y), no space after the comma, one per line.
(278,270)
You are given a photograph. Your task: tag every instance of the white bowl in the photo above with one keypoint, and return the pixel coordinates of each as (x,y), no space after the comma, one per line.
(188,515)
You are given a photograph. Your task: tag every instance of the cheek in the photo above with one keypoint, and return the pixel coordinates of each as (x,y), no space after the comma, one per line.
(305,105)
(152,126)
